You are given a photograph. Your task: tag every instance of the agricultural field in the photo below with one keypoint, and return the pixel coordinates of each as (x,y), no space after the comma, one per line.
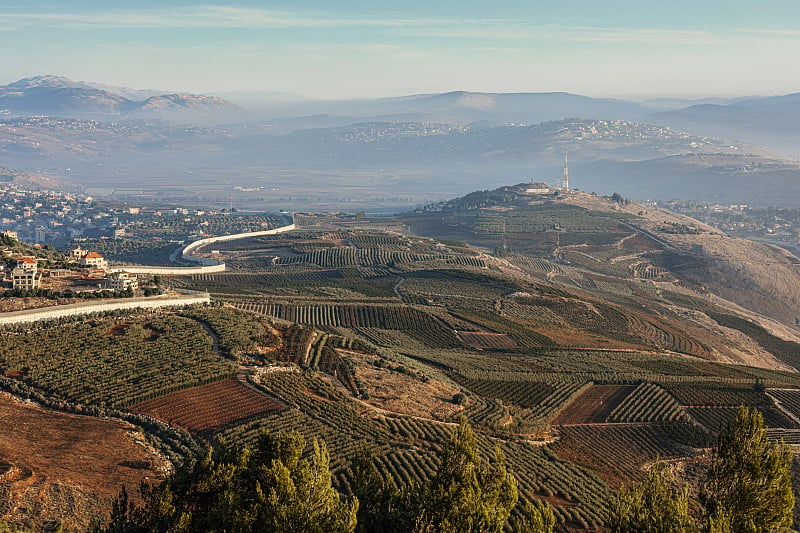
(112,362)
(237,335)
(617,453)
(595,405)
(207,407)
(788,400)
(179,227)
(567,332)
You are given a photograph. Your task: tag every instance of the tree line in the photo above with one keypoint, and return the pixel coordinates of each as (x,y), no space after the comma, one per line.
(277,487)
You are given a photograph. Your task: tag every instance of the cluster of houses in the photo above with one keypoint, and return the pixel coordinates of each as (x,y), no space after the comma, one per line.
(25,274)
(98,266)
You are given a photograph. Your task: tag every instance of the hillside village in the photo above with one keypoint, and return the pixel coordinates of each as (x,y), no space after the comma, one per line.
(35,271)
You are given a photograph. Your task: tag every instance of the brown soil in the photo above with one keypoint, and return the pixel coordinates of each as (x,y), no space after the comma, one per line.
(67,467)
(573,338)
(119,330)
(208,406)
(594,405)
(756,276)
(618,453)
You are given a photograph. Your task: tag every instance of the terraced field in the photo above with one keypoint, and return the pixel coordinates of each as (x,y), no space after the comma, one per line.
(571,335)
(617,452)
(490,341)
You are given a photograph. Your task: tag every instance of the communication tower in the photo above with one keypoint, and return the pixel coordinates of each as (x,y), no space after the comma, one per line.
(565,178)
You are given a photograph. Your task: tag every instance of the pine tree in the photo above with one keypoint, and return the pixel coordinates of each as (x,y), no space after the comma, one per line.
(749,480)
(652,506)
(537,518)
(297,495)
(383,507)
(270,490)
(467,495)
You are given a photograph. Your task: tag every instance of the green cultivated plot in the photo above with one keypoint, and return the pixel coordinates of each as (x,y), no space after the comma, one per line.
(114,362)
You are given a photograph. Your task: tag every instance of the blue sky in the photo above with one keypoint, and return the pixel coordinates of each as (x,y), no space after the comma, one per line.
(359,48)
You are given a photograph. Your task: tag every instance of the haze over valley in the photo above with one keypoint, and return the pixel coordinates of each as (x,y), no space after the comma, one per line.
(392,153)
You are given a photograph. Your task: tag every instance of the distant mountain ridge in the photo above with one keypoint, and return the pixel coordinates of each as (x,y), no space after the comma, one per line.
(464,107)
(57,95)
(772,121)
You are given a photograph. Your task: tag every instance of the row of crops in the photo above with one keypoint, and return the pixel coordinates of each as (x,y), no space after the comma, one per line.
(385,242)
(548,364)
(712,394)
(319,351)
(544,398)
(179,227)
(645,270)
(617,451)
(311,283)
(649,403)
(423,326)
(436,284)
(111,362)
(238,332)
(715,418)
(498,324)
(342,256)
(538,219)
(208,406)
(789,400)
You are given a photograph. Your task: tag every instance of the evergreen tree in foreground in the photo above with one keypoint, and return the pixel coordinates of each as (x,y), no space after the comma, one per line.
(275,488)
(749,487)
(537,518)
(272,489)
(467,494)
(652,506)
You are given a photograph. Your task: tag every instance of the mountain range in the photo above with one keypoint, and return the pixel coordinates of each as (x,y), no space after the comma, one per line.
(59,96)
(416,148)
(771,121)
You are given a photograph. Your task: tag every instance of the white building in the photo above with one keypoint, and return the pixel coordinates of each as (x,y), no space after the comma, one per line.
(26,279)
(28,264)
(77,253)
(93,260)
(122,281)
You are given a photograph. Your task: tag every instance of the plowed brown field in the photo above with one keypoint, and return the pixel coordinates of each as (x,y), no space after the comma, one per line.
(594,405)
(210,406)
(487,341)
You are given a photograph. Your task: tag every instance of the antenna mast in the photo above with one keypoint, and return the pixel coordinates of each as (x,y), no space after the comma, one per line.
(565,179)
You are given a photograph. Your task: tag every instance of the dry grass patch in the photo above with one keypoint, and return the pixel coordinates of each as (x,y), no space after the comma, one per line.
(398,392)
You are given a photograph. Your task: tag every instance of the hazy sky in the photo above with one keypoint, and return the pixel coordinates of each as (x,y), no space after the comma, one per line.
(355,48)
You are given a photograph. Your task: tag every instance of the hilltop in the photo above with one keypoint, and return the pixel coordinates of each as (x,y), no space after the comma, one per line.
(593,243)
